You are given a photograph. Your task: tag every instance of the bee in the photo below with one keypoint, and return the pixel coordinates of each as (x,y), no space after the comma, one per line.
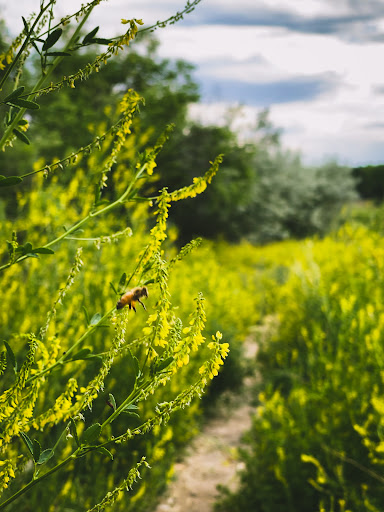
(132,296)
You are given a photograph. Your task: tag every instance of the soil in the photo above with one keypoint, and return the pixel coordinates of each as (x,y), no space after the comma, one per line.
(211,459)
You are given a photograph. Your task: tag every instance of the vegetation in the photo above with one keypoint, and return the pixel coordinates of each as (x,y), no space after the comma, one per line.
(263,192)
(87,387)
(316,442)
(370,182)
(94,397)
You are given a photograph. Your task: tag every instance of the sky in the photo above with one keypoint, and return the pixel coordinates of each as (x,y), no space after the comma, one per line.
(317,65)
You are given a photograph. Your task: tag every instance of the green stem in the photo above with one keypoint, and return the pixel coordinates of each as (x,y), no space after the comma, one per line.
(38,480)
(10,68)
(8,132)
(61,360)
(128,401)
(91,215)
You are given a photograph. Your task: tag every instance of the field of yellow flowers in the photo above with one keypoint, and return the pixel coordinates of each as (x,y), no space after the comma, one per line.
(317,439)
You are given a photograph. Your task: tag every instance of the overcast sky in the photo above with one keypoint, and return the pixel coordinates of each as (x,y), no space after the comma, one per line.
(317,64)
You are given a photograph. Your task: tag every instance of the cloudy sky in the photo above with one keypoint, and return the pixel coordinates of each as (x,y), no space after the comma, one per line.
(317,65)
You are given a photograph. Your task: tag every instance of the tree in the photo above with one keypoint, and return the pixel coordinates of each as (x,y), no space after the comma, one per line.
(370,182)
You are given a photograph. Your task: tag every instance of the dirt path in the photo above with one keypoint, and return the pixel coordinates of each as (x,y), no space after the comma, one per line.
(211,459)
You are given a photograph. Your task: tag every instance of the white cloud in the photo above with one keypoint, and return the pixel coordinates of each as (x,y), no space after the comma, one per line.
(341,120)
(319,130)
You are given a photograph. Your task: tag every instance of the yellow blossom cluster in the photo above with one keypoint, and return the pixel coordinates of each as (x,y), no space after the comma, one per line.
(210,368)
(158,232)
(193,334)
(130,34)
(17,412)
(128,108)
(61,409)
(199,184)
(7,471)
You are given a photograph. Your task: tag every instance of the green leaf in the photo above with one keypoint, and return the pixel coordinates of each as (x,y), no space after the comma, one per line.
(130,413)
(122,281)
(95,319)
(58,54)
(90,35)
(134,364)
(27,247)
(43,250)
(36,450)
(20,102)
(132,407)
(105,452)
(81,354)
(25,24)
(52,39)
(10,355)
(21,136)
(149,281)
(112,286)
(24,249)
(91,434)
(164,364)
(28,442)
(45,456)
(14,94)
(100,40)
(35,46)
(86,314)
(73,431)
(113,401)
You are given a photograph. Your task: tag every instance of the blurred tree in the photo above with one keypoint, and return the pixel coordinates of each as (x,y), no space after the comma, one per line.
(229,198)
(370,182)
(294,201)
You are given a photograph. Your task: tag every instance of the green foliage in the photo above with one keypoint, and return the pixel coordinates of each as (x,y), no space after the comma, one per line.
(263,193)
(370,182)
(316,442)
(294,201)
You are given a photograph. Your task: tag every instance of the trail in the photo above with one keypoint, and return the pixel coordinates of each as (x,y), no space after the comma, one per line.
(211,459)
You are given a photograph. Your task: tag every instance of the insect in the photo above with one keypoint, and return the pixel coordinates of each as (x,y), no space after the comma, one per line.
(133,296)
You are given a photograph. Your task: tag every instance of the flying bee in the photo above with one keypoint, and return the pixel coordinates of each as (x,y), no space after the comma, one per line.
(132,296)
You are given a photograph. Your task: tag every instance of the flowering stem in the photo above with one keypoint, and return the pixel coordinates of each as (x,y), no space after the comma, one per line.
(38,480)
(128,401)
(12,65)
(83,221)
(8,132)
(71,349)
